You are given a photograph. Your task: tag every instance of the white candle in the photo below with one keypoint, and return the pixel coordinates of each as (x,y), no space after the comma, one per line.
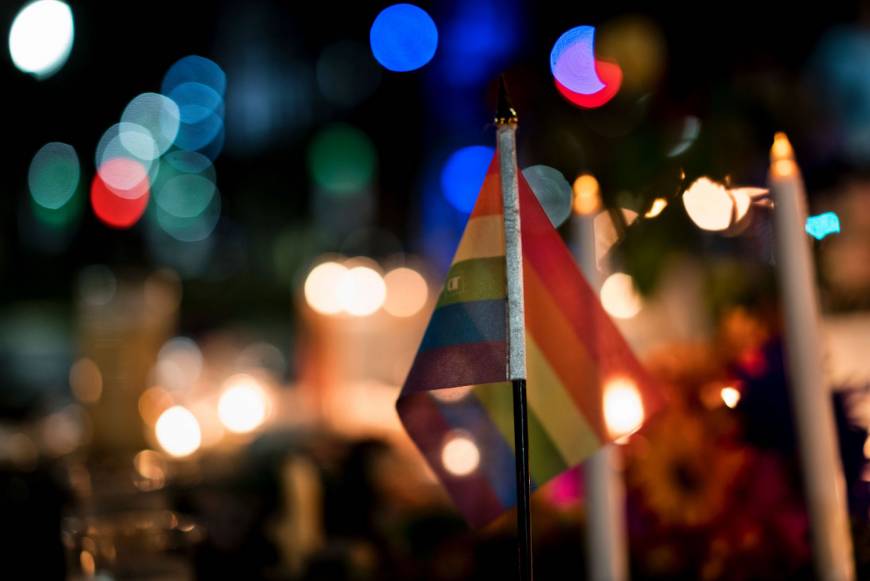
(820,459)
(606,547)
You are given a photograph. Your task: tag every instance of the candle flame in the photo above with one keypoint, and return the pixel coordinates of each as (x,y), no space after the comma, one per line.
(781,148)
(782,157)
(587,195)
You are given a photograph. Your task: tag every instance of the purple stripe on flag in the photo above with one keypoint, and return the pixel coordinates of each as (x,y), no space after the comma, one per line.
(496,454)
(472,494)
(456,365)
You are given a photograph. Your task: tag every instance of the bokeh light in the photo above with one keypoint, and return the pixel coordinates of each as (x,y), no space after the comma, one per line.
(463,174)
(460,455)
(54,175)
(243,405)
(151,467)
(197,85)
(86,381)
(403,38)
(185,196)
(822,225)
(186,225)
(178,432)
(587,195)
(322,286)
(638,45)
(619,297)
(195,69)
(121,167)
(152,403)
(407,292)
(346,73)
(690,132)
(158,115)
(341,160)
(552,190)
(623,407)
(730,396)
(572,61)
(581,78)
(41,37)
(116,210)
(658,206)
(361,291)
(709,205)
(179,364)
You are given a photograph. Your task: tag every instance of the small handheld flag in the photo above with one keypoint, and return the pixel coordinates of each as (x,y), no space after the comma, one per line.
(574,355)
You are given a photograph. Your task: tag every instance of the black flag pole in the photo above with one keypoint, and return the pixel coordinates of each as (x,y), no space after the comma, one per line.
(506,121)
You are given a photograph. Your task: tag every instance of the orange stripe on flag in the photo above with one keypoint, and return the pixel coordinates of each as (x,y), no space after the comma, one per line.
(566,354)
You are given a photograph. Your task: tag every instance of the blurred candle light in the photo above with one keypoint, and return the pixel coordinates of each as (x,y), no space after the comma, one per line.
(623,407)
(619,296)
(407,292)
(587,195)
(178,432)
(362,291)
(460,455)
(709,205)
(658,206)
(322,285)
(41,37)
(242,406)
(730,396)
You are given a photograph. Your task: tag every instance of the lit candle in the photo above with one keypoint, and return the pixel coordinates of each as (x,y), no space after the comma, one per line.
(605,492)
(822,470)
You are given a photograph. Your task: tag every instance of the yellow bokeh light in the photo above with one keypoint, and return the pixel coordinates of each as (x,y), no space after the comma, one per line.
(178,432)
(322,286)
(361,291)
(86,381)
(623,407)
(153,402)
(658,206)
(460,455)
(709,205)
(407,292)
(243,405)
(619,296)
(587,195)
(730,396)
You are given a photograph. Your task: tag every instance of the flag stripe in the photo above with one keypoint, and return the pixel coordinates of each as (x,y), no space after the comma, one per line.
(548,460)
(489,200)
(497,398)
(462,323)
(496,454)
(478,279)
(473,494)
(578,304)
(564,352)
(458,365)
(483,238)
(550,400)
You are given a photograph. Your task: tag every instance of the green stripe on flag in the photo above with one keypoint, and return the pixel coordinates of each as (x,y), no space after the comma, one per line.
(477,279)
(545,461)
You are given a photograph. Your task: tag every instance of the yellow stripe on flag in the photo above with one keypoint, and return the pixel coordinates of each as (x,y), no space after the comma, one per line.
(483,238)
(567,427)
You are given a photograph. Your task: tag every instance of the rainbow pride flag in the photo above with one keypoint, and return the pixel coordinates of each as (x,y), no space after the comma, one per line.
(457,404)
